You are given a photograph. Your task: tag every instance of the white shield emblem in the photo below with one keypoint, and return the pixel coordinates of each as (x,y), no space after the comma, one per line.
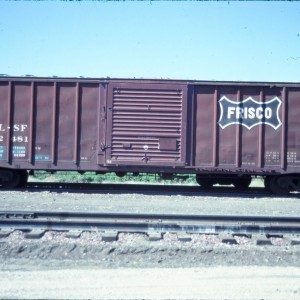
(249,112)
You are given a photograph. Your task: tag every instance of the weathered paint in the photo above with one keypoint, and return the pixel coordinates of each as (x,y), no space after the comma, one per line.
(149,125)
(263,144)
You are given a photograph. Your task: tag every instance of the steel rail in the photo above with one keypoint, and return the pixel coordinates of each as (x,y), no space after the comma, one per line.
(149,223)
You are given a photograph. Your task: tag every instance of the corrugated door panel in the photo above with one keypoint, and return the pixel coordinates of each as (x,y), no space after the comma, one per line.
(147,124)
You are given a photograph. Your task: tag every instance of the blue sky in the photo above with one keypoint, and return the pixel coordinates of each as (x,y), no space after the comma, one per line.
(251,41)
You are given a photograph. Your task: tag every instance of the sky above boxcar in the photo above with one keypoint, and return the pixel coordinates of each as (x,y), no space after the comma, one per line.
(249,41)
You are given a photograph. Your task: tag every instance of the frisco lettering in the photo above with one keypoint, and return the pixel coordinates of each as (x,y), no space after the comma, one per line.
(249,112)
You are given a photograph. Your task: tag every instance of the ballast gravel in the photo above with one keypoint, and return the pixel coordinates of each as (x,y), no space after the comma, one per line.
(154,202)
(57,255)
(135,250)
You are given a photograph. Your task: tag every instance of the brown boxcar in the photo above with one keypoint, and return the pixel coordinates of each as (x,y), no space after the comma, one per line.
(224,132)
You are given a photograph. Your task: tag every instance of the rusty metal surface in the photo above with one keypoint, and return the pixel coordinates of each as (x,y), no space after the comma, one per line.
(149,125)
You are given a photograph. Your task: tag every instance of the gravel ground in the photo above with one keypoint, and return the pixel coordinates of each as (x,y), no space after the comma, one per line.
(135,250)
(55,252)
(149,203)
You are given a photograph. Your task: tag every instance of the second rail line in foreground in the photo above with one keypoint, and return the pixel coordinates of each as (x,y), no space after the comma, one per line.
(149,223)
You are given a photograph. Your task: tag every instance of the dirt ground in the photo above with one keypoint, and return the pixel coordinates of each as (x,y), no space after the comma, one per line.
(199,283)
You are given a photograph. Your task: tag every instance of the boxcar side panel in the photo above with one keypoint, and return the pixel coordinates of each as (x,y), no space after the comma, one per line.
(293,128)
(4,120)
(249,140)
(251,128)
(43,118)
(88,131)
(112,125)
(274,141)
(229,136)
(66,110)
(20,127)
(48,124)
(204,126)
(67,113)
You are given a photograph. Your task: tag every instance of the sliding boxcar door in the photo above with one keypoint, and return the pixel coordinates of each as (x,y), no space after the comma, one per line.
(146,124)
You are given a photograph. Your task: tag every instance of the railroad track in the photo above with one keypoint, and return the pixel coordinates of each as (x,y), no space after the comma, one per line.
(149,224)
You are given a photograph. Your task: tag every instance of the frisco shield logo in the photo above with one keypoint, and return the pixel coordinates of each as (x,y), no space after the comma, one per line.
(249,112)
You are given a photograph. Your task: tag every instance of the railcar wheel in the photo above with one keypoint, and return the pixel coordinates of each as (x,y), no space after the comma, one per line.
(280,185)
(205,183)
(10,179)
(23,178)
(120,174)
(296,183)
(267,181)
(242,183)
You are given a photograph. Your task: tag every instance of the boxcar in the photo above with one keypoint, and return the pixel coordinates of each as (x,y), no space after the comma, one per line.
(223,132)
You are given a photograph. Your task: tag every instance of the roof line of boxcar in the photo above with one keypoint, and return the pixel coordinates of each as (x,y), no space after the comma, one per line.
(158,80)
